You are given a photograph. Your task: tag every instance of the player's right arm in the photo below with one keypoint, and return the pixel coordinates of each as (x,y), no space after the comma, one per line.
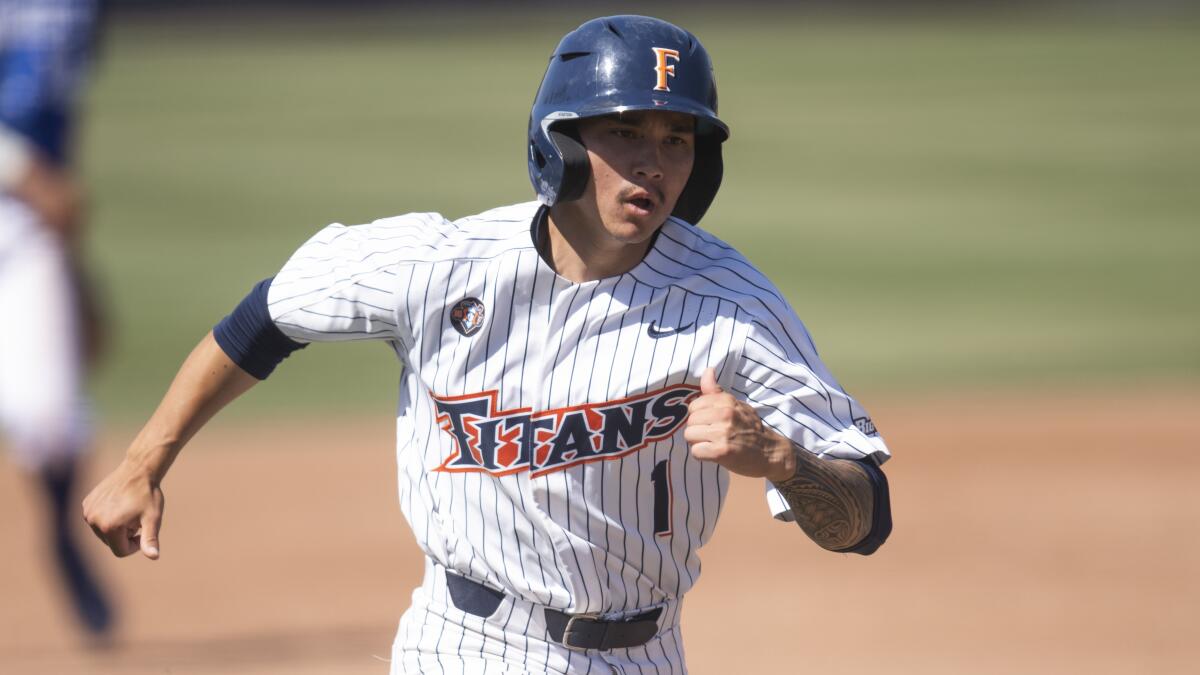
(125,510)
(339,286)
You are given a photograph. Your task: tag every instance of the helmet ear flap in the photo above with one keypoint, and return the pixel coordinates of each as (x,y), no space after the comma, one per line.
(577,168)
(701,188)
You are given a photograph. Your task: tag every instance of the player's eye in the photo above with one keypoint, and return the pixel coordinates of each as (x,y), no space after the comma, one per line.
(624,132)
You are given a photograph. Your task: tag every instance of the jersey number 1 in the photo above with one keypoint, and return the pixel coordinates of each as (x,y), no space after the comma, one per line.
(661,477)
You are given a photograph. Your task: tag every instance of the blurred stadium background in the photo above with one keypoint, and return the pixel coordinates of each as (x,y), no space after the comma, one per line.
(963,202)
(947,200)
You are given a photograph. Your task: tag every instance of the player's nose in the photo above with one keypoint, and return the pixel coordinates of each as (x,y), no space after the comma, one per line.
(648,160)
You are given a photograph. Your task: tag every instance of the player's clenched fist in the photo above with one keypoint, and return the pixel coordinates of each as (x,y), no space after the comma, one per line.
(725,430)
(125,511)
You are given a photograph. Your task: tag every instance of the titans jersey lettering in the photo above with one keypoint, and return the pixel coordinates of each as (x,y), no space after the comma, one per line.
(504,442)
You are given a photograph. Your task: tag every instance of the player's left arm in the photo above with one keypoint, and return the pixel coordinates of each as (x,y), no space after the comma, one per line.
(833,500)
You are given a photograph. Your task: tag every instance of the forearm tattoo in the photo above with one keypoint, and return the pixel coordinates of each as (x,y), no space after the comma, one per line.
(830,499)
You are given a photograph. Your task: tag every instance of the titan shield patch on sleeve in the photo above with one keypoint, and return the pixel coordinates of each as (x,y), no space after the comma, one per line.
(250,338)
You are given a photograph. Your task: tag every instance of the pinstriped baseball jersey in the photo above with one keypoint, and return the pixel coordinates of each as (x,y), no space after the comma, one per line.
(539,430)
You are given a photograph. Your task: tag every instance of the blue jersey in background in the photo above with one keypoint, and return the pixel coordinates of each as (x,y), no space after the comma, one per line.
(45,49)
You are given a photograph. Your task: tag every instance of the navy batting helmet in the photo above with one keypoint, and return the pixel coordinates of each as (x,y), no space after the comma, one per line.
(618,63)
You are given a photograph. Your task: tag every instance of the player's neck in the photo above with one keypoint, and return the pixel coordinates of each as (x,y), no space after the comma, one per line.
(579,253)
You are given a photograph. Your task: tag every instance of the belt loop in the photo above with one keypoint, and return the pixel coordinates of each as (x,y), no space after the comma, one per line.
(471,596)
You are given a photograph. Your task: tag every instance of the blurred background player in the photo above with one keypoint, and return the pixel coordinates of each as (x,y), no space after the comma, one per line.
(50,329)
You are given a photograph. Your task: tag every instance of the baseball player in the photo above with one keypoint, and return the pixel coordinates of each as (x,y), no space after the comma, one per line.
(581,373)
(44,47)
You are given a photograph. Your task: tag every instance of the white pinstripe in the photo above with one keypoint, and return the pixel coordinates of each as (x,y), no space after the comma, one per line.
(576,536)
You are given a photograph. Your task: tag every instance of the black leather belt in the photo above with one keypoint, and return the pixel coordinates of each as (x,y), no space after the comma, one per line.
(583,631)
(576,631)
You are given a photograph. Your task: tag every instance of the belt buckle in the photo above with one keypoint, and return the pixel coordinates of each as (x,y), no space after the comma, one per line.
(569,632)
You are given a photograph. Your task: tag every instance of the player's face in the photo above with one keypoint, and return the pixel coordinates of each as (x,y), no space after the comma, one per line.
(641,162)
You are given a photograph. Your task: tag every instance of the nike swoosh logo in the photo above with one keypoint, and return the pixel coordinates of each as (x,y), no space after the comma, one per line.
(655,333)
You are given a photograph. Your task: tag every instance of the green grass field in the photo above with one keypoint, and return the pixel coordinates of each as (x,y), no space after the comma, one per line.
(958,203)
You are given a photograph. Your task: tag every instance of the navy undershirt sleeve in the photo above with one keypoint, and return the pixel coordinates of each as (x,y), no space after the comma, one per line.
(250,338)
(881,519)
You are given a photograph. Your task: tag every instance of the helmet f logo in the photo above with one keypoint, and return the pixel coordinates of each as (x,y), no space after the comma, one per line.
(661,67)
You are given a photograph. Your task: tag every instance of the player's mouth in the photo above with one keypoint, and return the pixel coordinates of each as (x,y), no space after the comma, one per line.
(641,203)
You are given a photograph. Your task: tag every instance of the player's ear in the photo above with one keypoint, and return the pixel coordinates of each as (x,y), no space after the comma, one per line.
(577,168)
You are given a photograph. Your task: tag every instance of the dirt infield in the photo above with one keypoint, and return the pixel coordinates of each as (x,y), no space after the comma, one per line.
(1052,535)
